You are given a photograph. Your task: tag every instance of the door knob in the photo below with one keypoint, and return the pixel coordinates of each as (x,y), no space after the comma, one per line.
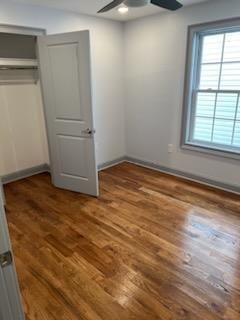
(89,131)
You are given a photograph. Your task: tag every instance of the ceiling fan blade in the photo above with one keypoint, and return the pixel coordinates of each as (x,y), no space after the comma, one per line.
(111,6)
(167,4)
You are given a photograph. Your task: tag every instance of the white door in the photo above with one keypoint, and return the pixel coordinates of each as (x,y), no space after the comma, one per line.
(10,302)
(66,83)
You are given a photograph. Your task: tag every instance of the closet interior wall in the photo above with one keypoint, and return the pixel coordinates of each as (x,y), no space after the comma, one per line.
(23,141)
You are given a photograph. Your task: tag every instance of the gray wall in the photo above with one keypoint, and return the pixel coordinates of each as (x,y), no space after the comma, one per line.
(155,50)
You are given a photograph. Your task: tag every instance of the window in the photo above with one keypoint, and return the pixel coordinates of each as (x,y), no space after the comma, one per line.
(212,97)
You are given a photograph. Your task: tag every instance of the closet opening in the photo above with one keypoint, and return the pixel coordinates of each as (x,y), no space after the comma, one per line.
(23,138)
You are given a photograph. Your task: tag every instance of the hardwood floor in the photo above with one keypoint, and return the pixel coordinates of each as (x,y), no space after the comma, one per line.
(151,247)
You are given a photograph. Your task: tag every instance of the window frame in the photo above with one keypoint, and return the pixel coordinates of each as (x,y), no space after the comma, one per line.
(192,78)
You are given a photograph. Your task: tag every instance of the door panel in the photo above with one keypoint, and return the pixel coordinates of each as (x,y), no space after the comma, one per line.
(66,82)
(66,73)
(77,165)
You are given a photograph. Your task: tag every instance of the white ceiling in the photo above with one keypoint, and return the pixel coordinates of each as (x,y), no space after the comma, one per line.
(90,7)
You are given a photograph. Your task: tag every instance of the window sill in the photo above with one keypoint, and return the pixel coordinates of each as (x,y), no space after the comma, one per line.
(211,151)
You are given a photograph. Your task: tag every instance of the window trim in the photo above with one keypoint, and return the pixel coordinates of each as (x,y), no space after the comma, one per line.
(192,68)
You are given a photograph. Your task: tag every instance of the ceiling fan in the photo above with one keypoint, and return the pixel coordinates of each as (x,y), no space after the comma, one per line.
(166,4)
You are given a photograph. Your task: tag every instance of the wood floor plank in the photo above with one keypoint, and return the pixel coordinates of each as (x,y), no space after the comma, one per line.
(151,247)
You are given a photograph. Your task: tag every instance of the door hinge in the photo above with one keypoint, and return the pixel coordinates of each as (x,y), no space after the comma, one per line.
(5,259)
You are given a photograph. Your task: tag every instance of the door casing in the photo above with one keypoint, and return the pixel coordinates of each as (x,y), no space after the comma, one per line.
(10,302)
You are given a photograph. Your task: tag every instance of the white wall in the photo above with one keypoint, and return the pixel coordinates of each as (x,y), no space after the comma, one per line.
(23,141)
(107,71)
(155,50)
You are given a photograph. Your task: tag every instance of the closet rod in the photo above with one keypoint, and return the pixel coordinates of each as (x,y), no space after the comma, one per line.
(18,64)
(17,68)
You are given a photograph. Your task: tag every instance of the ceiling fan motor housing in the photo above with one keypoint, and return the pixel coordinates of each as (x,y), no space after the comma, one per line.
(136,3)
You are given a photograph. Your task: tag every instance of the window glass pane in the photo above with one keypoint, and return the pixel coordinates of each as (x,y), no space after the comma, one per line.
(232,47)
(223,131)
(226,105)
(205,104)
(212,48)
(238,110)
(209,78)
(230,78)
(236,140)
(203,129)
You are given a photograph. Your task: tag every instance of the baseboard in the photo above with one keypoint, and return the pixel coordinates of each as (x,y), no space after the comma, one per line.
(185,175)
(111,163)
(25,173)
(182,174)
